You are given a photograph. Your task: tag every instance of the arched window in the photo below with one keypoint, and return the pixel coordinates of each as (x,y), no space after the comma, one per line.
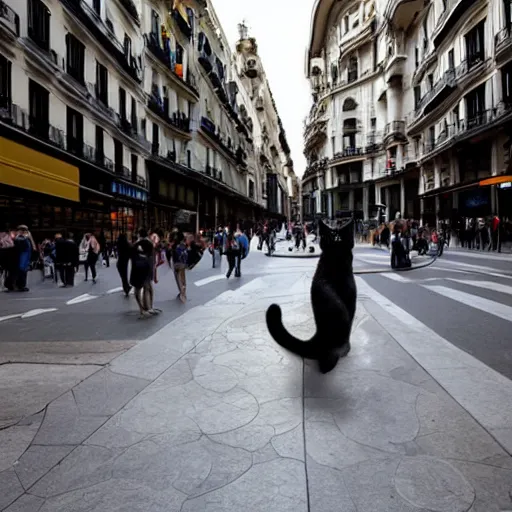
(349,104)
(352,69)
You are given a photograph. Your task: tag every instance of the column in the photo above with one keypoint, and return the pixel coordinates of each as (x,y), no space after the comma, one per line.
(387,200)
(422,209)
(437,207)
(402,197)
(378,195)
(366,206)
(351,200)
(216,202)
(197,209)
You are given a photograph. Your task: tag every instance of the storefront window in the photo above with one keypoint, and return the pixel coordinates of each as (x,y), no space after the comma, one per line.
(172,191)
(181,193)
(191,199)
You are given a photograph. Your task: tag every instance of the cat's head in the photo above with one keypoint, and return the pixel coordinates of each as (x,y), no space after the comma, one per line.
(336,235)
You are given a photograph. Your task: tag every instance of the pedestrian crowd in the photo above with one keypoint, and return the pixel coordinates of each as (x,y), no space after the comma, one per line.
(137,262)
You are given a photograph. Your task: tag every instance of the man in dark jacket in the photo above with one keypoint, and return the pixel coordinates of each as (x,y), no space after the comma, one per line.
(67,259)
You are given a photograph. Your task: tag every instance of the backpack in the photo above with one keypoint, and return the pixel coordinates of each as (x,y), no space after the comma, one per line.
(180,255)
(6,242)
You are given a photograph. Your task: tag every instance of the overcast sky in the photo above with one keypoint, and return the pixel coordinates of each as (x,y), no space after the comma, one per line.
(281,29)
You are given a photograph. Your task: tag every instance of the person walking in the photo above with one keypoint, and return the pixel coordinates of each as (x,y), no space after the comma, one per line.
(8,259)
(142,274)
(67,259)
(124,251)
(92,249)
(232,253)
(179,264)
(25,245)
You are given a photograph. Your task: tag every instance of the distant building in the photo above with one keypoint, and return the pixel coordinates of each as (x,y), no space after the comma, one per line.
(116,115)
(412,108)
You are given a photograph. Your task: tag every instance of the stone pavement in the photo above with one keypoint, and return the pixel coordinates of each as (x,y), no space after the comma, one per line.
(209,414)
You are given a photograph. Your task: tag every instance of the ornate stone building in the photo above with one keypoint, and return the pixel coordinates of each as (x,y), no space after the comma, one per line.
(411,108)
(115,114)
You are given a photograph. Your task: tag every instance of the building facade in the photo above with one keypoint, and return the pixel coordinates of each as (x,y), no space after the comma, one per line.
(412,109)
(116,115)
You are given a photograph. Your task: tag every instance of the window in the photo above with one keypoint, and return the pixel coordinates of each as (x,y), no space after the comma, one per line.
(430,81)
(373,123)
(189,158)
(127,45)
(456,117)
(417,56)
(451,59)
(75,131)
(475,105)
(100,147)
(251,189)
(5,84)
(39,104)
(122,103)
(96,5)
(134,116)
(135,164)
(208,157)
(156,138)
(506,79)
(417,96)
(352,69)
(75,58)
(333,145)
(39,24)
(475,45)
(155,24)
(432,136)
(508,13)
(346,22)
(118,155)
(102,83)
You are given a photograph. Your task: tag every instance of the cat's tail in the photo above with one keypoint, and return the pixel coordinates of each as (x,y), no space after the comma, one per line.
(305,349)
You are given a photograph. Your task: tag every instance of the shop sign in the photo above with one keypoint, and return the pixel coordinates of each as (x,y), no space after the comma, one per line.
(508,184)
(129,191)
(182,217)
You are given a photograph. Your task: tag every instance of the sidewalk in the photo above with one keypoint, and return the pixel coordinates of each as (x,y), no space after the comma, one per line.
(210,415)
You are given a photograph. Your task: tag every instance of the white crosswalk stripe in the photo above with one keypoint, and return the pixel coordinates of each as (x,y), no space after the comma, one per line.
(396,277)
(473,301)
(487,285)
(81,298)
(476,268)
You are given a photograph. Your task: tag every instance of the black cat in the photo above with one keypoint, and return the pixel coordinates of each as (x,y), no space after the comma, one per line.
(333,298)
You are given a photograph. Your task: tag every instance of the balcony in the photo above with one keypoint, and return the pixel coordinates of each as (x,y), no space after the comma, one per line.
(9,19)
(402,12)
(503,44)
(394,132)
(188,83)
(205,54)
(454,11)
(441,90)
(349,153)
(178,120)
(209,129)
(123,172)
(105,36)
(130,8)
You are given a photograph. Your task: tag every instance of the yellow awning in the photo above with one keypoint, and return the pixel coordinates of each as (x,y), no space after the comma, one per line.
(496,180)
(26,168)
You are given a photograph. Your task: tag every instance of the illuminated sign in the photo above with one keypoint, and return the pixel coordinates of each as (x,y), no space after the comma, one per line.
(129,191)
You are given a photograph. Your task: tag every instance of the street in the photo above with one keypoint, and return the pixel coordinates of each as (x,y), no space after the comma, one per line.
(199,410)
